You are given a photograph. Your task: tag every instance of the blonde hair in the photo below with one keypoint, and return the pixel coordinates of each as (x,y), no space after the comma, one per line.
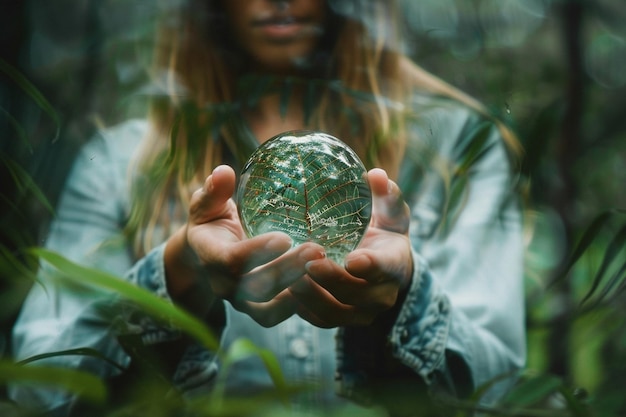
(360,98)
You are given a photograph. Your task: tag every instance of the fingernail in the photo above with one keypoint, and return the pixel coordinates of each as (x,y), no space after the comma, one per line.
(312,254)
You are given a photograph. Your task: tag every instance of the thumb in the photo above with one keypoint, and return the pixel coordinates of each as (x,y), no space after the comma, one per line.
(211,200)
(389,210)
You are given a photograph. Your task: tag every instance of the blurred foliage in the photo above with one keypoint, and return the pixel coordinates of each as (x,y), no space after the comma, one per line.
(553,70)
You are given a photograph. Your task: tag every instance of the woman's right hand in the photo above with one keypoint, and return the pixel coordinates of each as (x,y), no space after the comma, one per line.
(212,254)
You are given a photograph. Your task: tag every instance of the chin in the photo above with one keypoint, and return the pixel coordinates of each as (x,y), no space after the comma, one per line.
(285,65)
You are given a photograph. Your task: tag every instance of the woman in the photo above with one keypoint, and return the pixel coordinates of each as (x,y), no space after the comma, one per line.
(431,302)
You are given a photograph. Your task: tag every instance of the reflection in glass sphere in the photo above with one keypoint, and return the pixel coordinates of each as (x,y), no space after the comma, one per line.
(309,185)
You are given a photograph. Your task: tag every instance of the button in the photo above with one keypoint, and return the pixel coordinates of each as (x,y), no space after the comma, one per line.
(299,348)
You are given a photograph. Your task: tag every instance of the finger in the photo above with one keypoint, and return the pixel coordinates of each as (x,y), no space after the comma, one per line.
(317,306)
(375,295)
(320,307)
(366,265)
(248,254)
(272,312)
(209,201)
(265,282)
(336,281)
(220,252)
(389,210)
(309,316)
(388,257)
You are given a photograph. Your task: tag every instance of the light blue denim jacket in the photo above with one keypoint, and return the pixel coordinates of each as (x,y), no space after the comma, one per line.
(460,325)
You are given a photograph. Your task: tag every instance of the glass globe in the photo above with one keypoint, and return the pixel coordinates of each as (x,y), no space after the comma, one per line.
(309,185)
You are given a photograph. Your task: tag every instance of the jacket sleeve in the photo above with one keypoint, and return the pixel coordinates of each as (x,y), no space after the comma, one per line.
(461,324)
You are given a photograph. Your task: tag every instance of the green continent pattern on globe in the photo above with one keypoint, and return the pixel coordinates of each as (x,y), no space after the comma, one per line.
(309,185)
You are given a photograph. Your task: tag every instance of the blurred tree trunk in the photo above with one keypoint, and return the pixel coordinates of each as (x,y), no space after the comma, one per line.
(565,193)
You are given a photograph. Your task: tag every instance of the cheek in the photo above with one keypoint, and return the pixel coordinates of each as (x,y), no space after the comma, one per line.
(280,59)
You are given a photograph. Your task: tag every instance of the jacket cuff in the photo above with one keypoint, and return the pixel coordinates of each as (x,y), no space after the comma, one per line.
(160,347)
(406,342)
(149,273)
(419,335)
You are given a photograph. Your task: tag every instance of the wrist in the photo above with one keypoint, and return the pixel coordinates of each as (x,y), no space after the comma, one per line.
(184,274)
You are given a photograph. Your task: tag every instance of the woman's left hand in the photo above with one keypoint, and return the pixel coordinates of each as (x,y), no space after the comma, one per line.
(374,274)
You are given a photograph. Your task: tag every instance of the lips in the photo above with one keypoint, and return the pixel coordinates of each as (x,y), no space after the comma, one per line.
(280,27)
(277,20)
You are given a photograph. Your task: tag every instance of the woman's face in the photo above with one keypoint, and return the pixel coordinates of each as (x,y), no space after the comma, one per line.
(277,35)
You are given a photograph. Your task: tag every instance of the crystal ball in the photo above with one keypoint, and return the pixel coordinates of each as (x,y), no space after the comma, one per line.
(309,185)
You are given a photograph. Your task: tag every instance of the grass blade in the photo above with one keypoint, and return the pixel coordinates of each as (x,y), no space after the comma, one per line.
(618,279)
(84,384)
(21,132)
(615,247)
(472,149)
(533,390)
(244,348)
(24,182)
(33,92)
(150,303)
(72,352)
(585,241)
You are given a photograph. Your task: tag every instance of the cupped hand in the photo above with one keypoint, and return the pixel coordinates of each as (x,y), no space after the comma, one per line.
(374,274)
(253,274)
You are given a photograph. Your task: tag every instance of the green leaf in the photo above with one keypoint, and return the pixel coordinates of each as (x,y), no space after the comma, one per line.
(13,258)
(264,404)
(73,352)
(613,250)
(474,147)
(18,129)
(457,198)
(617,278)
(533,390)
(574,405)
(585,242)
(482,389)
(24,181)
(33,92)
(149,302)
(244,348)
(83,384)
